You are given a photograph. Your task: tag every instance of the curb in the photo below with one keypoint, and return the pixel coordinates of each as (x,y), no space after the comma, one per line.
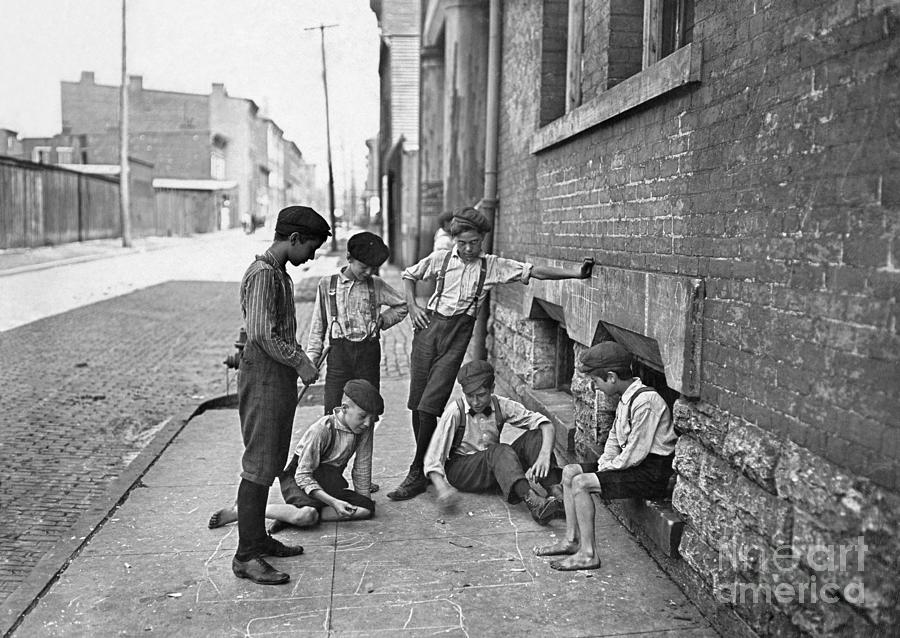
(67,261)
(24,598)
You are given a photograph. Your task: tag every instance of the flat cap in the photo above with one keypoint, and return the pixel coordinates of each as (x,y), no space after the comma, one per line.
(607,356)
(475,374)
(303,220)
(365,395)
(368,248)
(470,218)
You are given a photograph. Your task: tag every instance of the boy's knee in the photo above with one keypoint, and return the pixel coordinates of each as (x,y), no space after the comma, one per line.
(580,483)
(304,517)
(570,472)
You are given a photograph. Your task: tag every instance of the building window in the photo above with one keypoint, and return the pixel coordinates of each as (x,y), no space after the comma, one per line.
(668,26)
(40,154)
(217,164)
(607,43)
(64,154)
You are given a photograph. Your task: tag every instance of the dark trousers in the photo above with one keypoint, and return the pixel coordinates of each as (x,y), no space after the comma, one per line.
(350,360)
(437,354)
(500,465)
(330,478)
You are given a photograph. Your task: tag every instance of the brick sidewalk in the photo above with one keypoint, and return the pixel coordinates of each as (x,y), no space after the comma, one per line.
(87,390)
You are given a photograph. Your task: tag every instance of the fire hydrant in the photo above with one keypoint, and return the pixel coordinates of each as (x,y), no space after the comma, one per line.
(234,360)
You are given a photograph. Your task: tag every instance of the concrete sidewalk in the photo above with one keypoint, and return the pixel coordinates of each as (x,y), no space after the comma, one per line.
(154,567)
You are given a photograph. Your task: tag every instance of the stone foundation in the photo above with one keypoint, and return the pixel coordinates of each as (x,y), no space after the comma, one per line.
(777,540)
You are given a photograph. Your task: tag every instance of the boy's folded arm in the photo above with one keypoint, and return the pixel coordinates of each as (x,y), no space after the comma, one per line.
(640,439)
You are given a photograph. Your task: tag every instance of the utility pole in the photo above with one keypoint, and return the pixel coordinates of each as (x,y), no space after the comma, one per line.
(321,28)
(124,182)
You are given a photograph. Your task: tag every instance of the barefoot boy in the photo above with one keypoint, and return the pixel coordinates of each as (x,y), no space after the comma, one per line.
(321,456)
(466,454)
(636,461)
(443,328)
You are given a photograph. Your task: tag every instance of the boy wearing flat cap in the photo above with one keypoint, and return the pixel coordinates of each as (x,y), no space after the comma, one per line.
(636,461)
(267,384)
(353,307)
(466,454)
(320,458)
(444,326)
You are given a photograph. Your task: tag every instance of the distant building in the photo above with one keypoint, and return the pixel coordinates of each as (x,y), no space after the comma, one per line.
(398,150)
(189,136)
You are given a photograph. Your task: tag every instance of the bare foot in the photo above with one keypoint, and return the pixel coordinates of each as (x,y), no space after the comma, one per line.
(575,562)
(223,517)
(556,549)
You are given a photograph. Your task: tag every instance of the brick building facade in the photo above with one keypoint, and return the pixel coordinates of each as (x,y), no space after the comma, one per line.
(733,169)
(191,136)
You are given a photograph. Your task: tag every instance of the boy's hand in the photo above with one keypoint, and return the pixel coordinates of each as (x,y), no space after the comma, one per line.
(586,267)
(539,470)
(343,509)
(307,372)
(448,500)
(419,316)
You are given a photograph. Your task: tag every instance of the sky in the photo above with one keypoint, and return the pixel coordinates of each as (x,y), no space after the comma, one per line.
(257,48)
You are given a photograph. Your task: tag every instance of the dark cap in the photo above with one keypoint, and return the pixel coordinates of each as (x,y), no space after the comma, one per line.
(605,357)
(365,395)
(368,248)
(474,375)
(470,219)
(303,220)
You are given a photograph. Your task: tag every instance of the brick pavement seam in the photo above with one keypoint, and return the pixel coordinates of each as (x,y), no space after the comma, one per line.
(26,596)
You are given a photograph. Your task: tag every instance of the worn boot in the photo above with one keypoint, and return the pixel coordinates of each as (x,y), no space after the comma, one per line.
(543,510)
(414,484)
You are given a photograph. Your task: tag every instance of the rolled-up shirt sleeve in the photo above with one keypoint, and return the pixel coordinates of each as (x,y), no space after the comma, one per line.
(505,271)
(362,464)
(261,322)
(518,416)
(309,450)
(423,269)
(441,440)
(316,340)
(396,309)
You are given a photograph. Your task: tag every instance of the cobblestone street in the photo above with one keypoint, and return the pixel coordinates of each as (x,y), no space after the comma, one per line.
(85,391)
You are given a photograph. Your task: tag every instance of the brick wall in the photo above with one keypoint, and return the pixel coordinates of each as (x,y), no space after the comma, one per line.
(774,180)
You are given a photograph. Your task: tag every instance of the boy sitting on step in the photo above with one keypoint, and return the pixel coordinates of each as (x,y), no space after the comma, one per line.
(636,461)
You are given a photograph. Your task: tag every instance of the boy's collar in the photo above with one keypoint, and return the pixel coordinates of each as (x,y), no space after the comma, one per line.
(486,412)
(635,385)
(338,415)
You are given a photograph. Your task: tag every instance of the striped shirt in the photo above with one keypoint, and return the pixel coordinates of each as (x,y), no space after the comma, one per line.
(355,322)
(323,443)
(461,279)
(267,303)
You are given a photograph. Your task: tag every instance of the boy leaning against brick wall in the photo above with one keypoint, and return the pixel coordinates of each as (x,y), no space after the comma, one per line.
(636,461)
(443,328)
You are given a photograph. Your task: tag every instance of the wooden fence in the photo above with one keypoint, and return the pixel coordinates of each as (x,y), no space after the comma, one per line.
(44,205)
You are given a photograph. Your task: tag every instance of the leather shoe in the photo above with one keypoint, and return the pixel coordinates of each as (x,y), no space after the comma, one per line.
(258,571)
(543,510)
(414,484)
(272,547)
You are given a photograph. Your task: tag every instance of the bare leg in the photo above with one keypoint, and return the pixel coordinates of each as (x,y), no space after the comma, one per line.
(222,517)
(586,557)
(569,544)
(299,516)
(362,513)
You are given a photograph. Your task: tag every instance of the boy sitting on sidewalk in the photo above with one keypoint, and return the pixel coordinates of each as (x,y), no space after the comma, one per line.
(444,326)
(636,461)
(465,452)
(314,477)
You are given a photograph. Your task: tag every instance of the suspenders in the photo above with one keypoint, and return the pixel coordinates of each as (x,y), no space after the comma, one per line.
(460,432)
(332,305)
(443,273)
